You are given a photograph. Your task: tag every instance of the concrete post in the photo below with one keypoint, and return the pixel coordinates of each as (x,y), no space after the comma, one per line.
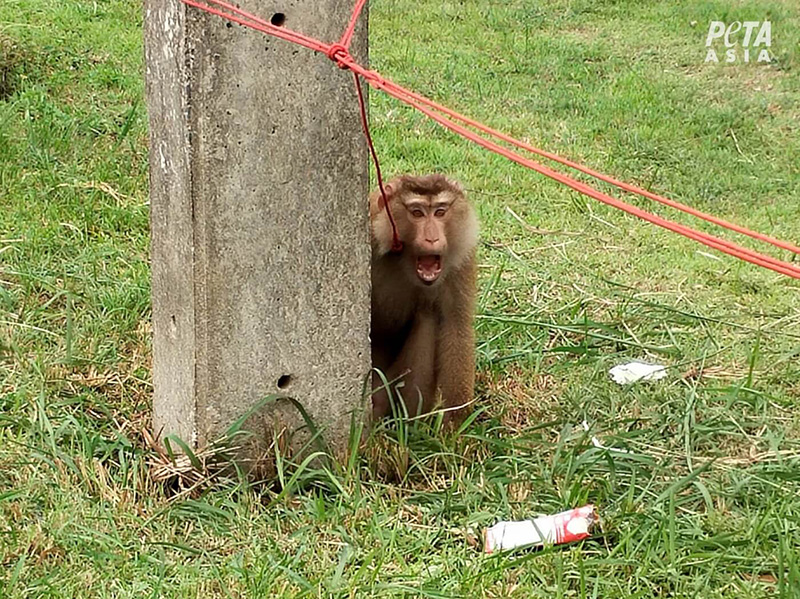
(260,242)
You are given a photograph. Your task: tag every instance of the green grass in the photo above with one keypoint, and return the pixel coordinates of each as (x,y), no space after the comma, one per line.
(706,501)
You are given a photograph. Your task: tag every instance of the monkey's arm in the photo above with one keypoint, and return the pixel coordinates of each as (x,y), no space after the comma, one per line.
(456,348)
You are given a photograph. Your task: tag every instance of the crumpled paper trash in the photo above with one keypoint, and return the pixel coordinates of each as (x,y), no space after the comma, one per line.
(625,374)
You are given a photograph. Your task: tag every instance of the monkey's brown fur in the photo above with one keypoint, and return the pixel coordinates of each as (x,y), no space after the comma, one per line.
(423,298)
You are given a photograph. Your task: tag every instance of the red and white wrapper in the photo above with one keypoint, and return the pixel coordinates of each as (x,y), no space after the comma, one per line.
(566,527)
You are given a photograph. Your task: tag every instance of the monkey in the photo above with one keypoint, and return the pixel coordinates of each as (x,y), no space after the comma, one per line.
(423,297)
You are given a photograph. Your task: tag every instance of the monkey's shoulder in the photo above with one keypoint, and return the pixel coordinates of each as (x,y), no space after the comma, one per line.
(391,311)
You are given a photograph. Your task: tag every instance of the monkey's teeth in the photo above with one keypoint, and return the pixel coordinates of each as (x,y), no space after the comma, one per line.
(429,268)
(428,277)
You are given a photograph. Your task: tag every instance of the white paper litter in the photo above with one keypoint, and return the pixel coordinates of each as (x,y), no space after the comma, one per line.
(625,374)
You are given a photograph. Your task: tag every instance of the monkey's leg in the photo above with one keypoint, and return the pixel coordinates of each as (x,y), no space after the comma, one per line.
(417,361)
(380,394)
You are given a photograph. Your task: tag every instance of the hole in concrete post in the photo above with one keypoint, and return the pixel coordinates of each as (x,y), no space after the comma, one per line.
(278,19)
(284,381)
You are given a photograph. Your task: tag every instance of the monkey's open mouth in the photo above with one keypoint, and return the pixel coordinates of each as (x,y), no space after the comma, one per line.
(429,268)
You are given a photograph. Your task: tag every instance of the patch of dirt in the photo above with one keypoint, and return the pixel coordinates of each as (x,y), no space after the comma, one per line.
(14,62)
(522,397)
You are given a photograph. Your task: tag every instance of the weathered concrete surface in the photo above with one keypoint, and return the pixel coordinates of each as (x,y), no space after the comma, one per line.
(260,242)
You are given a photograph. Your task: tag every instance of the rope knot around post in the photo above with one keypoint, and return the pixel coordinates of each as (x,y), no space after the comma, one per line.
(339,54)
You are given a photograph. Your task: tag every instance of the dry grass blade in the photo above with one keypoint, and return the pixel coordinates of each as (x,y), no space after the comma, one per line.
(182,472)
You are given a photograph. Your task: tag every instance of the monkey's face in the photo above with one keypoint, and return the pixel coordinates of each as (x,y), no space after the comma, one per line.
(426,235)
(437,235)
(435,223)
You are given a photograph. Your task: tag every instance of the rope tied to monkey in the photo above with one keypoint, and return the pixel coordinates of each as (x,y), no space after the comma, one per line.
(339,53)
(397,245)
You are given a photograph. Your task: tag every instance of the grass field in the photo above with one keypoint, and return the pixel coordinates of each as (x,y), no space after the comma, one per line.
(704,501)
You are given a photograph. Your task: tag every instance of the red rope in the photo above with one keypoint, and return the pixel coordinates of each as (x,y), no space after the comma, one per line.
(707,239)
(397,245)
(246,19)
(620,184)
(347,36)
(338,52)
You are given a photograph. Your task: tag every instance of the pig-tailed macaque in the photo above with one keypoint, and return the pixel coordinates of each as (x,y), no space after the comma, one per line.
(423,297)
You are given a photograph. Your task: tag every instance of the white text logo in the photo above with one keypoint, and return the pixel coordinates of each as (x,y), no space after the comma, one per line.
(744,41)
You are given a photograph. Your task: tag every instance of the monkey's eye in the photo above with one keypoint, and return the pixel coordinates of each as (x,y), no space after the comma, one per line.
(440,213)
(417,213)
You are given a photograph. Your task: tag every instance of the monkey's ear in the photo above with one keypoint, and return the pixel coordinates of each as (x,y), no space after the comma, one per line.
(389,190)
(455,185)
